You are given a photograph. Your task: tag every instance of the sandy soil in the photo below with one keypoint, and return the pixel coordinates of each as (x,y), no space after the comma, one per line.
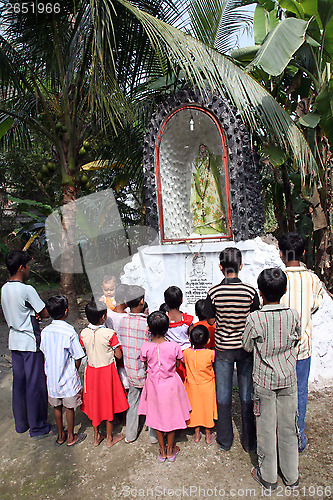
(40,470)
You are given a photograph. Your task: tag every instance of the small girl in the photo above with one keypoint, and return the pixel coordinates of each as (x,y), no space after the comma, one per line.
(109,286)
(179,322)
(202,317)
(164,400)
(103,393)
(200,384)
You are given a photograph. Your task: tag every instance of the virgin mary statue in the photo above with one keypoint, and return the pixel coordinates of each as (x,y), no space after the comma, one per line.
(206,195)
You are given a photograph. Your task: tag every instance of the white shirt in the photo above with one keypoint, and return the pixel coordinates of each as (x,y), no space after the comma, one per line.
(20,303)
(61,347)
(113,319)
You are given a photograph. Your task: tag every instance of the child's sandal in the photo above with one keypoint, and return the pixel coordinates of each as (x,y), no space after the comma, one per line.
(173,457)
(160,458)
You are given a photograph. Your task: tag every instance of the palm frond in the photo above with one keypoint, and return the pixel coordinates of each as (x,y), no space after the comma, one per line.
(217,22)
(204,67)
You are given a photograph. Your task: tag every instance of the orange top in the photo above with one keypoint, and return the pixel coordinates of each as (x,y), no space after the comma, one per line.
(200,386)
(108,301)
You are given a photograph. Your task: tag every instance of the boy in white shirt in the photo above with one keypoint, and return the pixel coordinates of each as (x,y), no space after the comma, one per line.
(63,353)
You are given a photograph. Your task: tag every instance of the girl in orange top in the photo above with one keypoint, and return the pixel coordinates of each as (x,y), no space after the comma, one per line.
(200,384)
(200,312)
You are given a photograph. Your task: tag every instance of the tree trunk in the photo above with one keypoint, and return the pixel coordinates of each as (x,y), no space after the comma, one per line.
(289,202)
(278,203)
(67,281)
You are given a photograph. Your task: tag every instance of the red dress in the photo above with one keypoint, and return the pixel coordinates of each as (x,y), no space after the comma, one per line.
(103,392)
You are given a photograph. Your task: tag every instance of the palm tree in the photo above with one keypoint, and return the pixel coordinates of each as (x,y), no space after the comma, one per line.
(72,76)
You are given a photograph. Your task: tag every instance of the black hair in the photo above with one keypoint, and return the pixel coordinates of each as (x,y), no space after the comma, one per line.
(231,259)
(120,293)
(56,306)
(158,323)
(173,297)
(272,283)
(95,311)
(199,336)
(15,259)
(200,309)
(134,295)
(292,246)
(164,308)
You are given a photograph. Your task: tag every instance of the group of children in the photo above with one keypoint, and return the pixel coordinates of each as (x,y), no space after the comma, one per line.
(179,373)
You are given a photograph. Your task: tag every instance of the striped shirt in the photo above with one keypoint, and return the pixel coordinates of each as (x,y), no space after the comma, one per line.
(61,347)
(230,302)
(132,333)
(305,294)
(273,334)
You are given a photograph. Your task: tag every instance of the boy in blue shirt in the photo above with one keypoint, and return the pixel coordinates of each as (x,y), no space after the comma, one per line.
(63,353)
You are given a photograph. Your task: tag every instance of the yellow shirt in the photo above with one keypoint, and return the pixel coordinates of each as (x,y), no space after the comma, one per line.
(304,293)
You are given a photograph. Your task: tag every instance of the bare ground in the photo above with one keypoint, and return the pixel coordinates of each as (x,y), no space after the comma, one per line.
(40,470)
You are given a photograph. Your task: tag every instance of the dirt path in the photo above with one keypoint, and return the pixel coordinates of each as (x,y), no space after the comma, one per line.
(40,470)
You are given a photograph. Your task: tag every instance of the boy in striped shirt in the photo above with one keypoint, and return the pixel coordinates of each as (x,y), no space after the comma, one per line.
(273,334)
(229,303)
(304,293)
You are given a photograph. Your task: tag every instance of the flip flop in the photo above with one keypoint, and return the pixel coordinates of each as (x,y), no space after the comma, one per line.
(64,441)
(213,434)
(172,459)
(197,442)
(161,459)
(80,437)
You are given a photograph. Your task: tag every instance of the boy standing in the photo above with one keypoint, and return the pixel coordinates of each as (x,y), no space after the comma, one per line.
(63,353)
(229,303)
(20,304)
(133,332)
(304,293)
(273,333)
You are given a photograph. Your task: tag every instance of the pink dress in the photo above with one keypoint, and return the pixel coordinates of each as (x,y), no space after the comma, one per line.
(163,400)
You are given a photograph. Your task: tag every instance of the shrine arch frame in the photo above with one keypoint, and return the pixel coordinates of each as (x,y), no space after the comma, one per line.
(245,188)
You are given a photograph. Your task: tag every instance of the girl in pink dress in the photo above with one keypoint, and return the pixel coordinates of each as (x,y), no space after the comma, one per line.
(163,400)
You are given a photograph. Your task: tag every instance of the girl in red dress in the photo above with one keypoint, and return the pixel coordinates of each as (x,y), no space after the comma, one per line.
(103,392)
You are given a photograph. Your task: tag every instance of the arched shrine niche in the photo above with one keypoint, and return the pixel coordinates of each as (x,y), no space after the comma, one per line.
(202,178)
(191,168)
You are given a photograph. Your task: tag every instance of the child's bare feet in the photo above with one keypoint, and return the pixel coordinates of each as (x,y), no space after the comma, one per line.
(98,439)
(114,440)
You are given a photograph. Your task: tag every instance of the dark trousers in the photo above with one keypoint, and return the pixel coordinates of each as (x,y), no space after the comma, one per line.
(29,393)
(303,371)
(224,369)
